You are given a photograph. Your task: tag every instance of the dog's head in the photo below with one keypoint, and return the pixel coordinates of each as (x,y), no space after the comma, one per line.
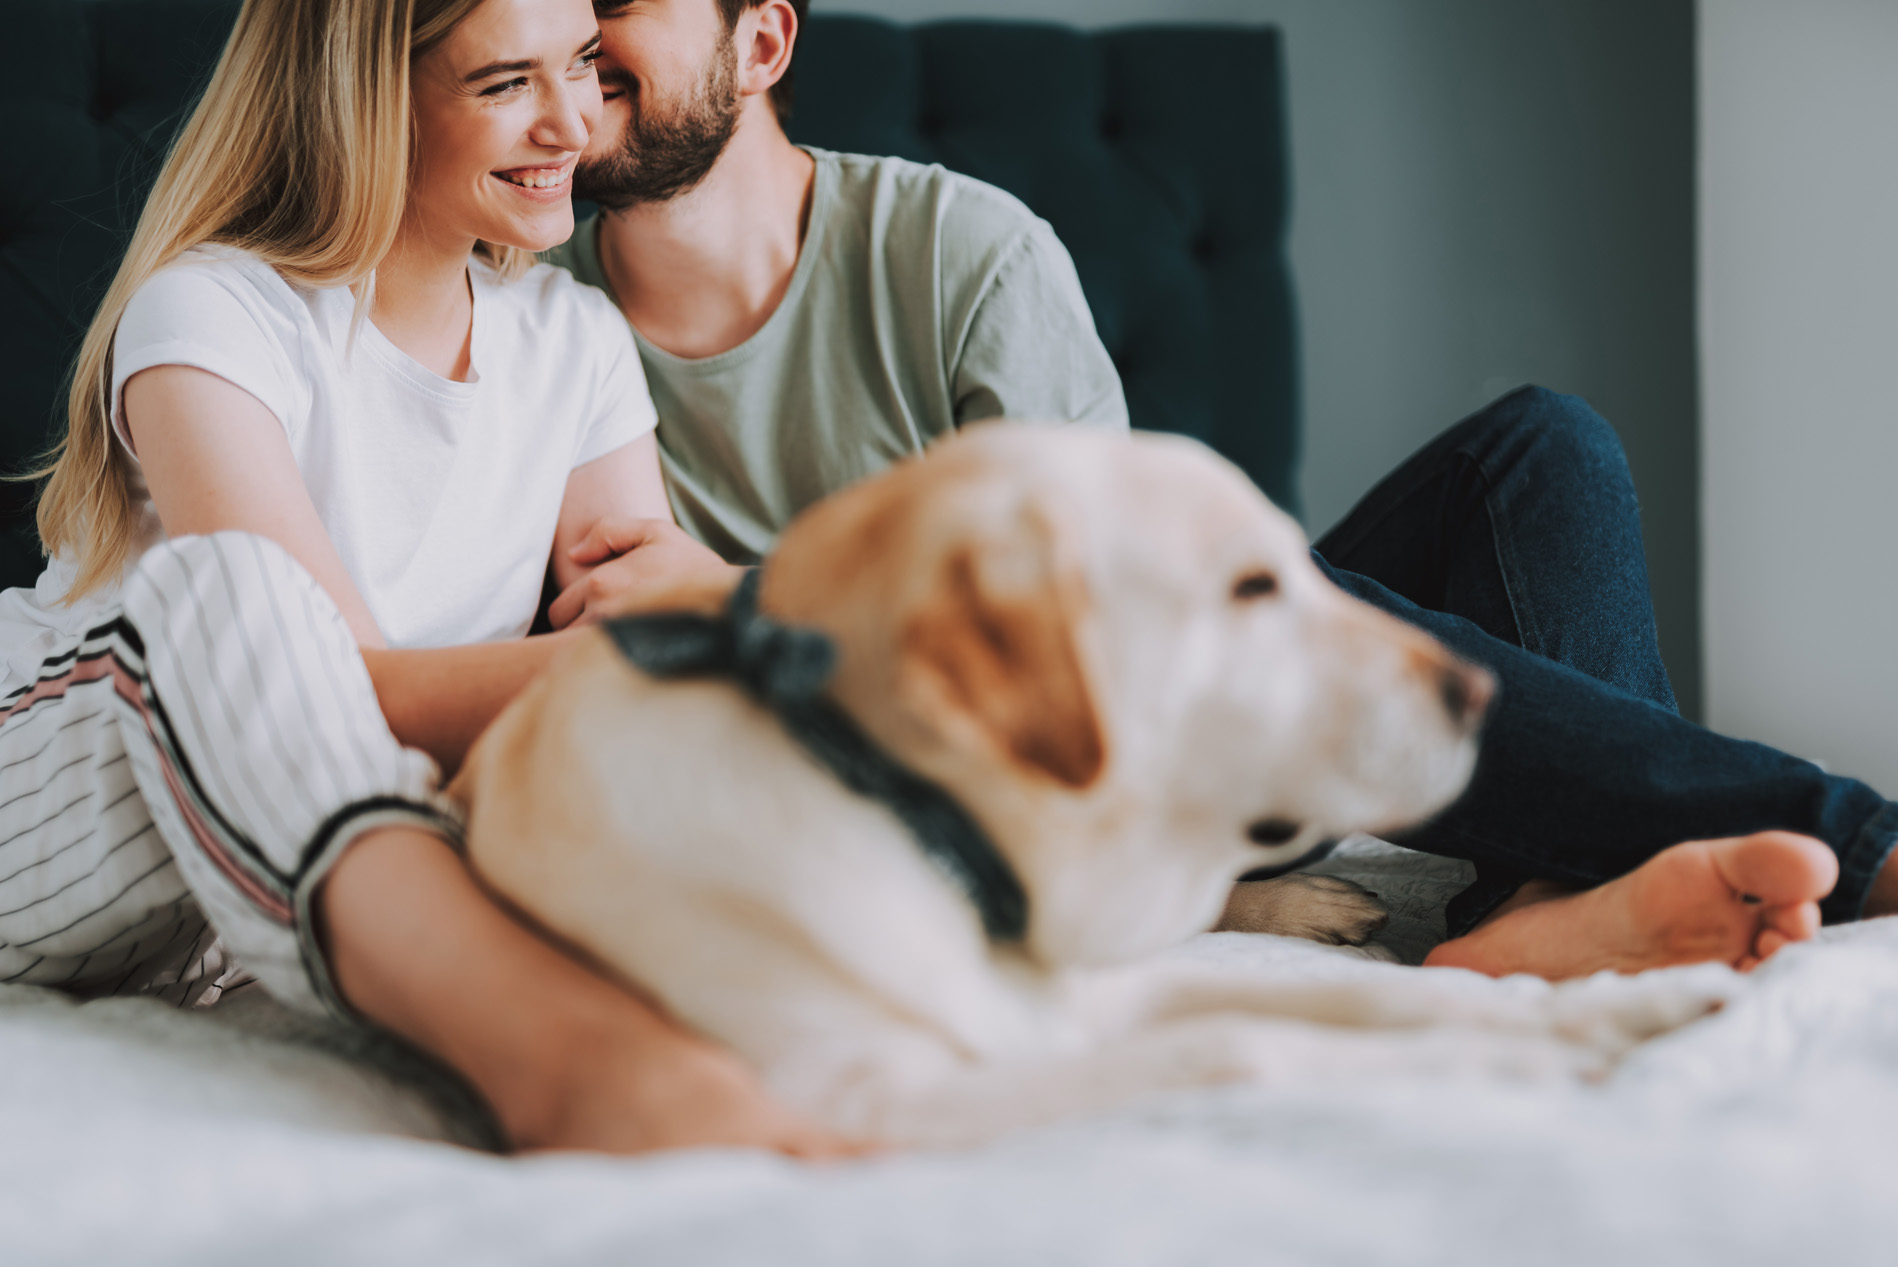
(1121,658)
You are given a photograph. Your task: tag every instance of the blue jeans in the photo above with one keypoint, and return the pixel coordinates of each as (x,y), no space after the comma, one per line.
(1514,538)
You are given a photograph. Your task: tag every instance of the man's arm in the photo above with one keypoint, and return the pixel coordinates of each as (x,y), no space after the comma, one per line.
(1031,351)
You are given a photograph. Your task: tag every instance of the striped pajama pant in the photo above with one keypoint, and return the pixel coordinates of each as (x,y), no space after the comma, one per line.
(176,784)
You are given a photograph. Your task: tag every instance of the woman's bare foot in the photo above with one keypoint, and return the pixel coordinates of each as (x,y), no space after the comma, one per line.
(1732,901)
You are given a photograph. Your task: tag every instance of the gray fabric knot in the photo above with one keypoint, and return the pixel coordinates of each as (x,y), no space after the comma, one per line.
(786,668)
(777,664)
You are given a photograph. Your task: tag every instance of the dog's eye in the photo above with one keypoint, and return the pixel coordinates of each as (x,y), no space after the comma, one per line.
(1255,585)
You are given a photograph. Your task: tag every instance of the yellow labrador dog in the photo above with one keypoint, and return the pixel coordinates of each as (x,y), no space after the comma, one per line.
(990,732)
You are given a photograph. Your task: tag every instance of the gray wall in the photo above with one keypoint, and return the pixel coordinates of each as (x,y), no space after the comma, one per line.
(1799,168)
(1485,193)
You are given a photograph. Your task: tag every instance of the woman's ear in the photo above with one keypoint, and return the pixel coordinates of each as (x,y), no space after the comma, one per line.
(998,641)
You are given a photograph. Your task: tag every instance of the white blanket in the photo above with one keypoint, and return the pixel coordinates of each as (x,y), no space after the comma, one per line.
(1765,1134)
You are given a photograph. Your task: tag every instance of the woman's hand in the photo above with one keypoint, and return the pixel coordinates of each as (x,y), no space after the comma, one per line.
(639,564)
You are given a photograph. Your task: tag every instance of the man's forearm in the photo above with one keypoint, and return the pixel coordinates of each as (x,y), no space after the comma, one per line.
(441,699)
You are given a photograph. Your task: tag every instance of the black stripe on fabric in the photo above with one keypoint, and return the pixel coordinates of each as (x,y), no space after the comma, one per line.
(46,785)
(166,861)
(320,842)
(178,927)
(71,805)
(81,879)
(171,906)
(43,704)
(133,963)
(113,627)
(57,731)
(303,693)
(167,735)
(194,958)
(338,694)
(22,972)
(74,844)
(285,831)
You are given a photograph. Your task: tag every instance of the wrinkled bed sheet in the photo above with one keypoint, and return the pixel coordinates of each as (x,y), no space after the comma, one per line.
(1767,1133)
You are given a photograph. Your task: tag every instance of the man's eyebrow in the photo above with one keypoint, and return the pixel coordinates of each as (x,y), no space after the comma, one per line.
(515,68)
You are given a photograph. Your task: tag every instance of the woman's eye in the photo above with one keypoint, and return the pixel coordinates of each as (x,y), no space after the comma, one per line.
(502,89)
(1254,585)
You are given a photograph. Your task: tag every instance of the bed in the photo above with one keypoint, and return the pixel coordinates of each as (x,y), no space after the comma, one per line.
(1762,1134)
(242,1134)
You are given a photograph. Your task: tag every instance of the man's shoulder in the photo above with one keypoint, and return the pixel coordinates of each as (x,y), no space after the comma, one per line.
(971,221)
(579,254)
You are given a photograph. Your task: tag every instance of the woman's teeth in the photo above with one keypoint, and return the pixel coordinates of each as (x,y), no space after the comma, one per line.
(544,178)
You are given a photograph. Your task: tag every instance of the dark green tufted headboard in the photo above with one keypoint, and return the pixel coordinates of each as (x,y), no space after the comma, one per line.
(1157,152)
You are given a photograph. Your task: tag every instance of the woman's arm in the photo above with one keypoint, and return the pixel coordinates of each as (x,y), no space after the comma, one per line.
(617,548)
(566,1058)
(215,460)
(442,698)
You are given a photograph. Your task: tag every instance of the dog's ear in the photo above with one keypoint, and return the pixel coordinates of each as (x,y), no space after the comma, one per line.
(997,641)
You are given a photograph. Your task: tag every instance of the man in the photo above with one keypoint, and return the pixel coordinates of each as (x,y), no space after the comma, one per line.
(805,318)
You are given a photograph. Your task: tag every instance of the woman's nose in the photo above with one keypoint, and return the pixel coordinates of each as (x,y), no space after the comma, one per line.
(564,124)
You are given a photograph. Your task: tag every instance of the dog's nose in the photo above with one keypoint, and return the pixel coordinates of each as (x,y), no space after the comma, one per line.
(1467,692)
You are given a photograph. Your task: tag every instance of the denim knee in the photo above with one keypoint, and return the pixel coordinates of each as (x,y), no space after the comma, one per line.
(1534,424)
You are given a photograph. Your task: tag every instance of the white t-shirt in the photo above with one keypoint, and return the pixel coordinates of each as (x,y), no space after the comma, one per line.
(441,497)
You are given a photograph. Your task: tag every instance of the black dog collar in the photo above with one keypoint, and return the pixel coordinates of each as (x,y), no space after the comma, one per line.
(786,668)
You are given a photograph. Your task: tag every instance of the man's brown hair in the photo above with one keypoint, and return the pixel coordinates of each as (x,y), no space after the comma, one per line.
(783,91)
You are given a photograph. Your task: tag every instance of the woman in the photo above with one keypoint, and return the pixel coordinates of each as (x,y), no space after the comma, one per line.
(330,407)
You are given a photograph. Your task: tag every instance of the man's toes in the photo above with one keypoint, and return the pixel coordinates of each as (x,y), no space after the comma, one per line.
(1799,922)
(1780,868)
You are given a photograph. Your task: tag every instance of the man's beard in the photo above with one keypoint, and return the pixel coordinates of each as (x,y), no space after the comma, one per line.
(664,155)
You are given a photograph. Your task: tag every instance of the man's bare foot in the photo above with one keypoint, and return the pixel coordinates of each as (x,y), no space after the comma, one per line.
(1731,901)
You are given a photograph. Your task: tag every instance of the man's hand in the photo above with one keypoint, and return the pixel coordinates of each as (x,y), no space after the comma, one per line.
(640,564)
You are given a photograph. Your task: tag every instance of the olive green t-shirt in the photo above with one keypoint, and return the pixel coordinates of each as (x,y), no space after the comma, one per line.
(921,300)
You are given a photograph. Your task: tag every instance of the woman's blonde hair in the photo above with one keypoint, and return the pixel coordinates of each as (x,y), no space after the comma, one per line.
(299,152)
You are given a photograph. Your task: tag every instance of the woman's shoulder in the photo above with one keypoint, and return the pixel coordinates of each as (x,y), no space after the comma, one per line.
(213,283)
(229,268)
(546,297)
(555,332)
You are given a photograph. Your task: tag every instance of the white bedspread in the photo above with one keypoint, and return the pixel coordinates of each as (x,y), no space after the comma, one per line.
(1765,1134)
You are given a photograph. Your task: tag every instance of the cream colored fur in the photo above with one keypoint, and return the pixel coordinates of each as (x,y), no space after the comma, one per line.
(1119,657)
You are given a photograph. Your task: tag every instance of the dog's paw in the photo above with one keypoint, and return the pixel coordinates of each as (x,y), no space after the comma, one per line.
(1318,908)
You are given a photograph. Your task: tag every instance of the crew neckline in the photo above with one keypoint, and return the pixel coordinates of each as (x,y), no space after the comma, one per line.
(419,376)
(823,196)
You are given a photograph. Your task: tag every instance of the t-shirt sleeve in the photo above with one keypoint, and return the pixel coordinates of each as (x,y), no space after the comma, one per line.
(1032,352)
(211,319)
(622,409)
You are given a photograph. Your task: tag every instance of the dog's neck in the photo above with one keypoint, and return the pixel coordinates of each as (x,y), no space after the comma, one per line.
(786,670)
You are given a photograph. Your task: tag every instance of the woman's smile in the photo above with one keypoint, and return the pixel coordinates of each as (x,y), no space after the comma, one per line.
(547,182)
